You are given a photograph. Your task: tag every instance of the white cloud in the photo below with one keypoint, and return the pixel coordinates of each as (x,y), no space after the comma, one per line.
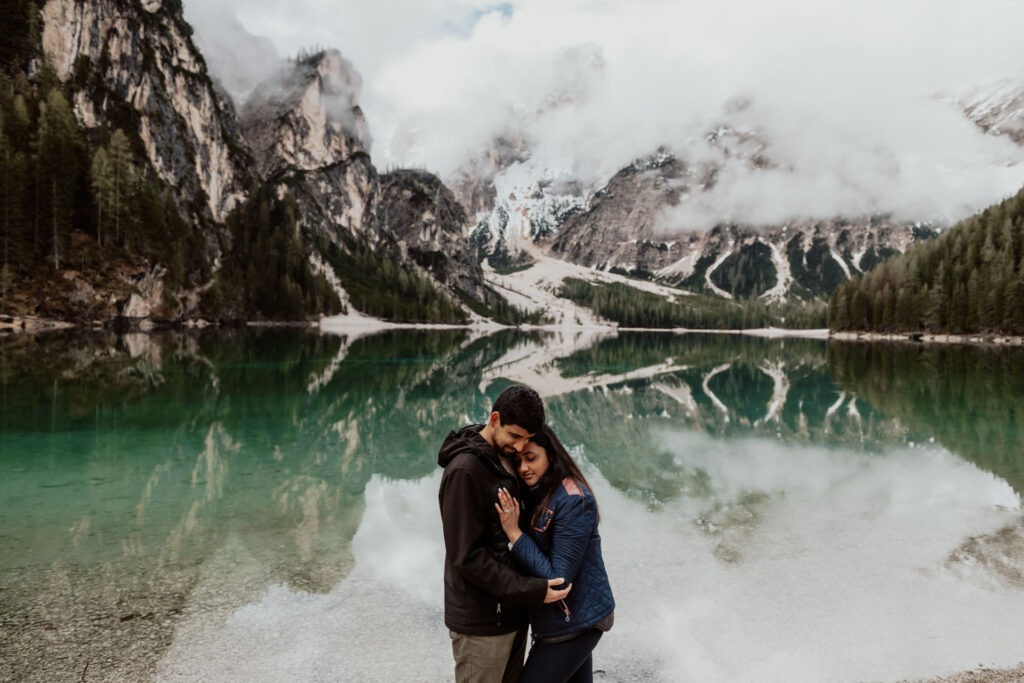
(844,94)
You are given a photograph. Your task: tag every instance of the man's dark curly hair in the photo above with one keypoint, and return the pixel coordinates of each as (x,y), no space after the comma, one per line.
(520,405)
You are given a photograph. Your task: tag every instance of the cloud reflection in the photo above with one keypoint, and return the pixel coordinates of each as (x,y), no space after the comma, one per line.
(792,563)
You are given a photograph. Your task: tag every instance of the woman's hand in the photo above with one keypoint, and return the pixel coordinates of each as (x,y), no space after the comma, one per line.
(508,513)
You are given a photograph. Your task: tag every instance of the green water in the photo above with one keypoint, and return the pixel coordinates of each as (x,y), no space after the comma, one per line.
(149,482)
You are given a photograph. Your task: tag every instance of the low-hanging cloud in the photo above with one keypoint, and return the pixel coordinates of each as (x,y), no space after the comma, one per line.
(846,99)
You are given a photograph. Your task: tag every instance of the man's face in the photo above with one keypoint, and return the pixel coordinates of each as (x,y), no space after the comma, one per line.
(510,439)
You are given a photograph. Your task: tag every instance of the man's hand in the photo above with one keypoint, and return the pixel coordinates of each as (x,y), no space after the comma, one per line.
(554,594)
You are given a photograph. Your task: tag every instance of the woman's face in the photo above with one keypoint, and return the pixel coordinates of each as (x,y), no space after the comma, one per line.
(533,463)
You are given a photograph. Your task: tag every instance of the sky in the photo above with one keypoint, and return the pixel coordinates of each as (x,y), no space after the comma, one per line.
(850,100)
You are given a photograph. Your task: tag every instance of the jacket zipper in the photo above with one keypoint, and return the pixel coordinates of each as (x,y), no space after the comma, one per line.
(499,614)
(565,608)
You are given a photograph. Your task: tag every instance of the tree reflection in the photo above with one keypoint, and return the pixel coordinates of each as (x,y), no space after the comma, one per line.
(967,398)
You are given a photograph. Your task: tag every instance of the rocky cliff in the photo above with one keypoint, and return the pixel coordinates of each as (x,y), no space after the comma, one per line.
(622,227)
(311,140)
(431,225)
(134,65)
(307,132)
(293,171)
(622,230)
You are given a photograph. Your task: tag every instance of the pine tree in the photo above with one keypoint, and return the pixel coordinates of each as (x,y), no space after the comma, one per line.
(7,219)
(121,181)
(102,180)
(1014,310)
(59,145)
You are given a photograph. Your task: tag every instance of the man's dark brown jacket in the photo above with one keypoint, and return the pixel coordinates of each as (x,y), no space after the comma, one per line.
(483,594)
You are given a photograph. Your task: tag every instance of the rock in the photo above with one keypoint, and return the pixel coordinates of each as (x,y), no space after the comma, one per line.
(143,62)
(427,220)
(623,230)
(306,124)
(148,294)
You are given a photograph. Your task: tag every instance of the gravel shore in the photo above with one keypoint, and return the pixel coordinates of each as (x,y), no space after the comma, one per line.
(981,675)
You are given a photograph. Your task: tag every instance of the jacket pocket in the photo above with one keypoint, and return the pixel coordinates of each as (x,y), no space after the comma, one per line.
(542,519)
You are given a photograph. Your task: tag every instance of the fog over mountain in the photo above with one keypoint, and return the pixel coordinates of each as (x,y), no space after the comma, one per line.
(853,107)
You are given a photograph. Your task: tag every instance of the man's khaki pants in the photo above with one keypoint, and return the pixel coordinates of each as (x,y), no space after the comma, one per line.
(488,659)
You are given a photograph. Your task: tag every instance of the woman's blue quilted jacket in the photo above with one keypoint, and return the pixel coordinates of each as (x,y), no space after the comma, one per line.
(562,541)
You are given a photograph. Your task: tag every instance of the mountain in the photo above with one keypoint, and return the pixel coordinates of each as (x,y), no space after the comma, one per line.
(997,109)
(311,141)
(139,193)
(305,125)
(135,64)
(624,226)
(627,224)
(801,259)
(969,281)
(425,218)
(115,138)
(168,206)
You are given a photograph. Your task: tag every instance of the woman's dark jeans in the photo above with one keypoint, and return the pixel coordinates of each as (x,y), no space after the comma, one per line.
(570,661)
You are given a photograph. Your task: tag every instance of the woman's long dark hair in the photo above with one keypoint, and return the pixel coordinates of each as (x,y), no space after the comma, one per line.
(560,466)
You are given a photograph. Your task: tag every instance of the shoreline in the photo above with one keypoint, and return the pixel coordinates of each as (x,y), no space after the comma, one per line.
(982,674)
(363,325)
(928,338)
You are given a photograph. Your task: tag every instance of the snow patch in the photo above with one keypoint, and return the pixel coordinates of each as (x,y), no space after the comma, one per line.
(783,275)
(707,275)
(842,262)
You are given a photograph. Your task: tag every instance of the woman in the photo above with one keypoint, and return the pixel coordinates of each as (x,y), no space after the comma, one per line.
(561,540)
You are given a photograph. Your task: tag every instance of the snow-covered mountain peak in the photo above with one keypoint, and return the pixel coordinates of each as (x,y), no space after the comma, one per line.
(998,108)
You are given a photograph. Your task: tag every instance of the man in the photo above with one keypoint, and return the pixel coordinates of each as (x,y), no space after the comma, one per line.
(485,599)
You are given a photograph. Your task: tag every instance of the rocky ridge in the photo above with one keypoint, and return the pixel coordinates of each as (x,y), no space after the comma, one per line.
(622,230)
(301,133)
(311,140)
(623,227)
(309,136)
(137,61)
(431,227)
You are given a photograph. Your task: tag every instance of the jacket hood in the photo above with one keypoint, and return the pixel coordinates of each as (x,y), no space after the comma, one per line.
(468,439)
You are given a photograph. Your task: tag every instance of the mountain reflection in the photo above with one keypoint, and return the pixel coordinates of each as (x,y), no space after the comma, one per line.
(134,464)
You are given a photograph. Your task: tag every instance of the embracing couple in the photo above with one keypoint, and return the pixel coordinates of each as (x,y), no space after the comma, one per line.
(521,548)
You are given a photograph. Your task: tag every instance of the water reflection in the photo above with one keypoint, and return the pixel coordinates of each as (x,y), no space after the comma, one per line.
(155,485)
(967,398)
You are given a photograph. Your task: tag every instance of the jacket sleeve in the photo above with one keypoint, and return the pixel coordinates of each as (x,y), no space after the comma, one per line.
(573,522)
(464,519)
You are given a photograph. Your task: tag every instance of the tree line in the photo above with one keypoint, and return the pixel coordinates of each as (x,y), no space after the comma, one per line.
(969,280)
(382,286)
(631,307)
(57,181)
(265,274)
(82,200)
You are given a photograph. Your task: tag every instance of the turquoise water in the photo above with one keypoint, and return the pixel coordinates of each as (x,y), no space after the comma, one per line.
(261,505)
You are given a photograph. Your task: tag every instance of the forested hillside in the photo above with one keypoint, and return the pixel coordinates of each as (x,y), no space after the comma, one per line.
(81,207)
(969,280)
(84,217)
(631,307)
(116,205)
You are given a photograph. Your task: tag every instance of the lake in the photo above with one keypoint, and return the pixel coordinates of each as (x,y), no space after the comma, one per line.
(262,504)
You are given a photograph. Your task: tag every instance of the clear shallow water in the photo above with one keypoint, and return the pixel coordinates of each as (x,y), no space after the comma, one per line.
(262,505)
